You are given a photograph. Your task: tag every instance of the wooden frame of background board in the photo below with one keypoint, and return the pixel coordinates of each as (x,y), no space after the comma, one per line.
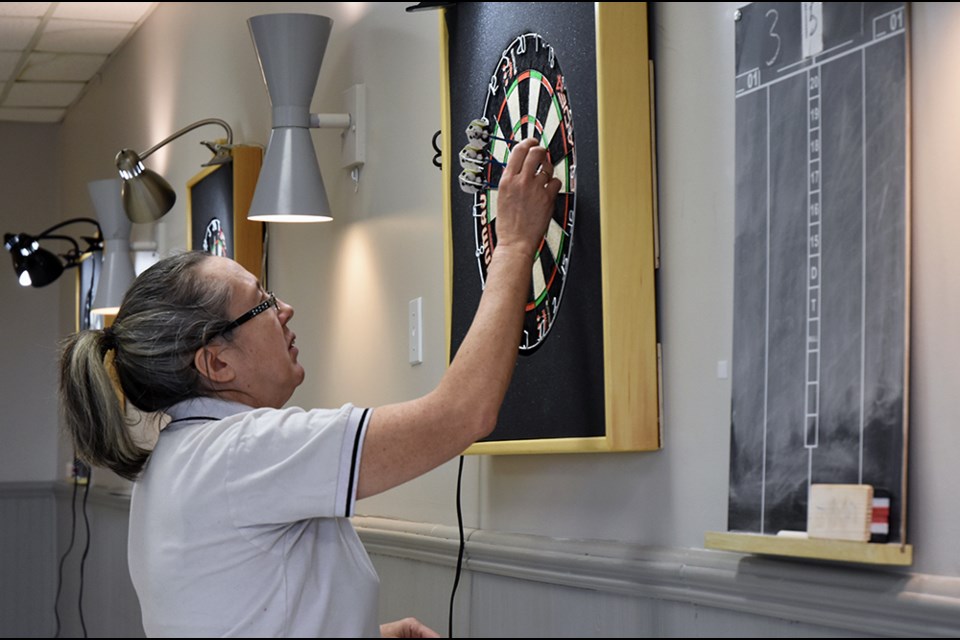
(627,235)
(87,277)
(227,198)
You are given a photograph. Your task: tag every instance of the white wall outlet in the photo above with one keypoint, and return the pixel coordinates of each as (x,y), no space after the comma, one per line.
(723,370)
(416,330)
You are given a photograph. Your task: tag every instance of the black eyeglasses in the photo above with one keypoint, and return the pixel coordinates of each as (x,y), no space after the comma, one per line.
(271,301)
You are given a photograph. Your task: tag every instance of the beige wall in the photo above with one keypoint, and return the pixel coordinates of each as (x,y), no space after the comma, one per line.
(29,316)
(350,280)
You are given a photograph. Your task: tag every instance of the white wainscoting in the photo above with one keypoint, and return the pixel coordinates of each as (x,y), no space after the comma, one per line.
(531,586)
(27,560)
(511,585)
(36,521)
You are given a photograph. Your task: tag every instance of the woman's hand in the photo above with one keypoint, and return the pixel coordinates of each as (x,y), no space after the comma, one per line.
(526,196)
(407,628)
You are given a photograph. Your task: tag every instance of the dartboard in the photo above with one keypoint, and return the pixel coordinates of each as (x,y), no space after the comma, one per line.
(527,97)
(214,240)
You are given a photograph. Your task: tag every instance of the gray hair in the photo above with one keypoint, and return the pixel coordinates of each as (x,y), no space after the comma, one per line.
(168,313)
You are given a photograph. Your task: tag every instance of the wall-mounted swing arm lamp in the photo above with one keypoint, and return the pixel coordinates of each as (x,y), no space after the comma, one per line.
(290,48)
(38,267)
(146,196)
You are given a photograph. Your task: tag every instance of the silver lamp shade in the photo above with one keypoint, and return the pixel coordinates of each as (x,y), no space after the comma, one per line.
(117,274)
(145,195)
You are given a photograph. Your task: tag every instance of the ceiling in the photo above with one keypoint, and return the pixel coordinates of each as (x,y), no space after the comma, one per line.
(49,52)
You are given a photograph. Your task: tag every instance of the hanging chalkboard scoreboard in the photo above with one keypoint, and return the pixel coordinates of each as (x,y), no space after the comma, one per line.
(821,273)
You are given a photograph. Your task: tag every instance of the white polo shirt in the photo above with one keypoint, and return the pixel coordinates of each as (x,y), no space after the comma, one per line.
(239,525)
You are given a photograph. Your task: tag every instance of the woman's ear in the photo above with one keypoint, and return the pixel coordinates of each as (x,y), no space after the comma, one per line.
(212,366)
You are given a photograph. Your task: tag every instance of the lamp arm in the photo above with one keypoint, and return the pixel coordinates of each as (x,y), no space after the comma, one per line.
(76,247)
(46,233)
(189,127)
(72,258)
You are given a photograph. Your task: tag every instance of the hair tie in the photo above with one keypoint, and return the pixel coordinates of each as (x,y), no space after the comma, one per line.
(108,339)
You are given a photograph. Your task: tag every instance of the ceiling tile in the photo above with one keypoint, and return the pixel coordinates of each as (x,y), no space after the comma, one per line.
(114,11)
(71,67)
(8,63)
(49,50)
(32,115)
(24,9)
(43,94)
(15,33)
(82,36)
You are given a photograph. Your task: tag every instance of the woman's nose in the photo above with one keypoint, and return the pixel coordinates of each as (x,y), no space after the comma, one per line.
(286,310)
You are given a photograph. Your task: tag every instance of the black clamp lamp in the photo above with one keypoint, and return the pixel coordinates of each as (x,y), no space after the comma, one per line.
(38,267)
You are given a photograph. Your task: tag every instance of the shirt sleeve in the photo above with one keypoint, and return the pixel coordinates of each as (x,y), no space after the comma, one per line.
(289,465)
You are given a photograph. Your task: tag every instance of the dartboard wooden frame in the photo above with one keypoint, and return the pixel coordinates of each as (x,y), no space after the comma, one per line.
(627,236)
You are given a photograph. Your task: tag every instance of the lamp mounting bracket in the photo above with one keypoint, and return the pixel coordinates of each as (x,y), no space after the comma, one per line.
(353,150)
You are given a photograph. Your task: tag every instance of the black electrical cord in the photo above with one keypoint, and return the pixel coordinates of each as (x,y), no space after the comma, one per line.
(438,156)
(86,549)
(456,579)
(79,470)
(420,6)
(73,531)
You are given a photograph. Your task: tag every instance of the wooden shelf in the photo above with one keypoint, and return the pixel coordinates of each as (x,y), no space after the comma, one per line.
(839,550)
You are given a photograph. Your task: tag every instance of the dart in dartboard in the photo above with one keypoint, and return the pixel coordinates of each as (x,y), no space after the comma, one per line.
(526,97)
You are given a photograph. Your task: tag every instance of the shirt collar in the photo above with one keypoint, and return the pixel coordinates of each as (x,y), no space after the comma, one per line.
(206,407)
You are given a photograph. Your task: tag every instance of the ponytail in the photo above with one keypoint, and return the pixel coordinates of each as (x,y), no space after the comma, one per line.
(92,410)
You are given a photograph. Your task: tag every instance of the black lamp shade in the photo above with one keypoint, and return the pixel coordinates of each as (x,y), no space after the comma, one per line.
(43,268)
(34,265)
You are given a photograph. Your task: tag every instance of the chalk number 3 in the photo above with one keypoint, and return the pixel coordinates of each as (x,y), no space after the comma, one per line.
(773,35)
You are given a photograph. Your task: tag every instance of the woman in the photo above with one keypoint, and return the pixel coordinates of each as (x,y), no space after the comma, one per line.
(239,515)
